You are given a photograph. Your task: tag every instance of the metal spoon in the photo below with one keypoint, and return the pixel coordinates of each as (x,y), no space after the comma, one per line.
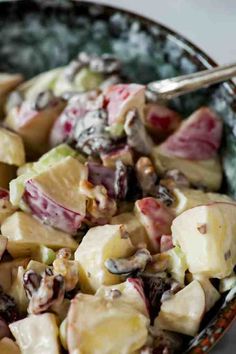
(176,86)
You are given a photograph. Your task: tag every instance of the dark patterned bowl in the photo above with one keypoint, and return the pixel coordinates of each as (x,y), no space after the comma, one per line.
(38,35)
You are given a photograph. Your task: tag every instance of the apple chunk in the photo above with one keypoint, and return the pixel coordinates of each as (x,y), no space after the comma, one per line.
(99,244)
(212,295)
(187,198)
(131,292)
(160,120)
(37,334)
(54,195)
(8,346)
(11,148)
(33,122)
(8,82)
(206,235)
(136,230)
(25,233)
(198,137)
(122,98)
(206,173)
(183,312)
(156,219)
(103,326)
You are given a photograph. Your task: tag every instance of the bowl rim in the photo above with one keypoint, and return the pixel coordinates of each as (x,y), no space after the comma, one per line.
(205,59)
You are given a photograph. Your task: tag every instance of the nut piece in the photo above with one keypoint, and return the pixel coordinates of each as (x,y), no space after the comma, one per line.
(146,175)
(44,291)
(133,264)
(137,136)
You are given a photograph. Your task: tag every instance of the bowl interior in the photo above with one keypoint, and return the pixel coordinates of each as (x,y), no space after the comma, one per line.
(36,36)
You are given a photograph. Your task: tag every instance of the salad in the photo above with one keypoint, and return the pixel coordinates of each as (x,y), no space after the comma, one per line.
(114,238)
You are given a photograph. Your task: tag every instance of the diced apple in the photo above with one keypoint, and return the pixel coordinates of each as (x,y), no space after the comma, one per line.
(206,235)
(198,137)
(99,244)
(166,243)
(25,233)
(7,173)
(123,154)
(177,265)
(187,198)
(6,208)
(8,346)
(160,120)
(183,312)
(9,270)
(54,195)
(227,283)
(37,334)
(205,173)
(136,230)
(105,326)
(11,148)
(156,219)
(8,82)
(212,295)
(31,169)
(131,292)
(17,291)
(122,98)
(34,124)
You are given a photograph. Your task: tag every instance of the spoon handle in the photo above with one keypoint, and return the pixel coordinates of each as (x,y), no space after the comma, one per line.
(173,87)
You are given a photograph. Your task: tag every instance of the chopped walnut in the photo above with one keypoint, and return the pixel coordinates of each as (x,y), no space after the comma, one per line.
(133,264)
(43,291)
(137,137)
(99,205)
(146,175)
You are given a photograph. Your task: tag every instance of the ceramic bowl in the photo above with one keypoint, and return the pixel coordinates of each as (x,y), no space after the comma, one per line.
(39,35)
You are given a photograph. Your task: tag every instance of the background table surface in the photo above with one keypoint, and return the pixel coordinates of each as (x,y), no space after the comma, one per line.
(211,24)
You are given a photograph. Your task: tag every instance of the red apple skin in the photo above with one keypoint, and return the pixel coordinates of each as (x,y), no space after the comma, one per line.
(158,219)
(160,121)
(34,126)
(139,286)
(117,97)
(166,243)
(198,137)
(101,175)
(50,212)
(63,128)
(4,194)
